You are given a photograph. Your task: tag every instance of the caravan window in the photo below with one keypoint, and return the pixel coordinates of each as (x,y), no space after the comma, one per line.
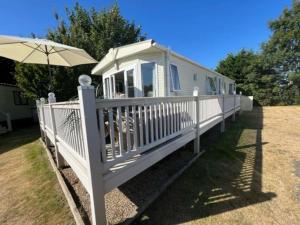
(19,98)
(211,86)
(231,89)
(219,87)
(130,83)
(224,88)
(195,77)
(107,88)
(148,79)
(175,83)
(120,85)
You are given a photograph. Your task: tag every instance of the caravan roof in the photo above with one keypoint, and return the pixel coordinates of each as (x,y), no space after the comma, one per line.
(139,47)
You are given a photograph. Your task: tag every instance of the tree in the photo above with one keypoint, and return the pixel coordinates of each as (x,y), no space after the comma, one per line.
(265,75)
(7,68)
(94,31)
(239,67)
(294,79)
(282,50)
(252,76)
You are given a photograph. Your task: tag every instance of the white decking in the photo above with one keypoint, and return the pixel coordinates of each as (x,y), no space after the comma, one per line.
(108,142)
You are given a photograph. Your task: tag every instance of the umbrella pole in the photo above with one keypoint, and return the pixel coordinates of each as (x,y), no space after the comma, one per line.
(49,73)
(49,70)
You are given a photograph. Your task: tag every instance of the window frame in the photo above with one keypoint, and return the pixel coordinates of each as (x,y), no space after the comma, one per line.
(155,80)
(210,90)
(231,89)
(172,89)
(195,76)
(111,78)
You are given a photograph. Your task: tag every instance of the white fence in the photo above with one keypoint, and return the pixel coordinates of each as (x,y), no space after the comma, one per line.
(107,142)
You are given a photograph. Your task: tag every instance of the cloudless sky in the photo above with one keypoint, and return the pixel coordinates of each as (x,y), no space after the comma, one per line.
(205,31)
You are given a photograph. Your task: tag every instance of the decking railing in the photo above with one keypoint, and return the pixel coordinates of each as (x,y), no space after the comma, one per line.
(107,142)
(133,126)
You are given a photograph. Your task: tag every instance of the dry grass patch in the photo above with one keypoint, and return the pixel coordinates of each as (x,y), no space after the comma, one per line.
(247,176)
(30,193)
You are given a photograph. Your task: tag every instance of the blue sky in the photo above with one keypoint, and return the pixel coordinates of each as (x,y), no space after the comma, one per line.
(205,31)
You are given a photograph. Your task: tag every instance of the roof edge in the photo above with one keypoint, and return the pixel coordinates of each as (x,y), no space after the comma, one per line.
(111,56)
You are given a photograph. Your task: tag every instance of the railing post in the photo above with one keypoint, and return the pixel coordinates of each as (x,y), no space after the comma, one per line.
(240,112)
(8,121)
(197,121)
(38,108)
(59,159)
(91,138)
(234,105)
(223,114)
(42,101)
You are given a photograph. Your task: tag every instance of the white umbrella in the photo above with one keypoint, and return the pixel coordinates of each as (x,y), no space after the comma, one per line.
(42,51)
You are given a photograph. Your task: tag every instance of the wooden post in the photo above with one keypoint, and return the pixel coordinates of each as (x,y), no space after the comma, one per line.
(223,114)
(92,145)
(197,121)
(59,159)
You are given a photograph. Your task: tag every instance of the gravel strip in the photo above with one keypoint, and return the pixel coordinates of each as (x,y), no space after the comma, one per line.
(124,202)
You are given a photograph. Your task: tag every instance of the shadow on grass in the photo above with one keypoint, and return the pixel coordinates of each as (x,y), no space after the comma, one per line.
(18,138)
(227,177)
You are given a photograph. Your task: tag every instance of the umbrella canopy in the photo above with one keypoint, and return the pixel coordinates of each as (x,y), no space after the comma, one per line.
(42,51)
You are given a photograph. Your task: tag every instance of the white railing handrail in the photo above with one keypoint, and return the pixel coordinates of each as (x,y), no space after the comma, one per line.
(104,103)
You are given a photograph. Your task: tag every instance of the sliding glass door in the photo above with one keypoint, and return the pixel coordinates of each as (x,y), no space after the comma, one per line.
(120,84)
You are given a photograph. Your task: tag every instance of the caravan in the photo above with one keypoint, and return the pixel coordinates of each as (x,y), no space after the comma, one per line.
(147,69)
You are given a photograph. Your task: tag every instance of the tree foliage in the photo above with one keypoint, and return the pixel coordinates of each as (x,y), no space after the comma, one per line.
(282,50)
(92,30)
(239,67)
(252,76)
(272,75)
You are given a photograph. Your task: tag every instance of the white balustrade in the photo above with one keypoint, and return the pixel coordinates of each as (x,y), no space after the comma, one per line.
(94,135)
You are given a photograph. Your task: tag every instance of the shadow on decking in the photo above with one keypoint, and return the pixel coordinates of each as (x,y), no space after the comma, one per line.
(227,177)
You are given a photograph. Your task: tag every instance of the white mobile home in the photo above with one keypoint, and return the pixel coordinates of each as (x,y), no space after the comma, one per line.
(13,106)
(147,69)
(109,141)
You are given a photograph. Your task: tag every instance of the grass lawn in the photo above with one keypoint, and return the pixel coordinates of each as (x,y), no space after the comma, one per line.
(30,193)
(247,175)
